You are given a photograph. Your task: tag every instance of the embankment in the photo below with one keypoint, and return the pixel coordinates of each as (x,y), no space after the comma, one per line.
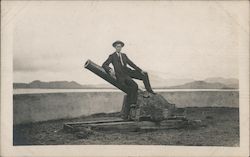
(49,106)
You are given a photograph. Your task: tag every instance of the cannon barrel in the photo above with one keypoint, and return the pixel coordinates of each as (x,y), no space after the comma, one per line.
(98,70)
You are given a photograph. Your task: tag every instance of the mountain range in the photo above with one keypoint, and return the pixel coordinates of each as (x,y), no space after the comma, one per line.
(205,85)
(209,83)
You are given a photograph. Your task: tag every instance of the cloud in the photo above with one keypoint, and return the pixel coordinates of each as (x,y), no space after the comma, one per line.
(52,64)
(181,40)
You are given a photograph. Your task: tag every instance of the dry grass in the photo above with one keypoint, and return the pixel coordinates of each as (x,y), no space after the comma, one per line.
(222,130)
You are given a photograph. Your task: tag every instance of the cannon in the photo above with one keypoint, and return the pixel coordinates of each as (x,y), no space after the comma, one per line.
(98,70)
(151,113)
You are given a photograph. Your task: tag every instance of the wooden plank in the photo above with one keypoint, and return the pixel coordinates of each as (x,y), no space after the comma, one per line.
(115,126)
(118,125)
(112,123)
(176,118)
(96,121)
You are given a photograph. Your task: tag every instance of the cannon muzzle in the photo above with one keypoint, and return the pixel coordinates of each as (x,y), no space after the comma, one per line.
(98,70)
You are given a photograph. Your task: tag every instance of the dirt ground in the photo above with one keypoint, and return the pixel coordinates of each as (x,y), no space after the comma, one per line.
(222,129)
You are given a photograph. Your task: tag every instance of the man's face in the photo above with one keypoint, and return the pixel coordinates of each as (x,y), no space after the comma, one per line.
(118,47)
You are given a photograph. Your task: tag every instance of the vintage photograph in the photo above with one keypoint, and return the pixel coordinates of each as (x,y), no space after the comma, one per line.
(126,73)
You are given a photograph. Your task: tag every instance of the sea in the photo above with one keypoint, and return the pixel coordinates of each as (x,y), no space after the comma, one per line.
(39,90)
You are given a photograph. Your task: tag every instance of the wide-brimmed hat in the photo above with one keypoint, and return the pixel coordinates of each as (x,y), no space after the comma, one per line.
(118,42)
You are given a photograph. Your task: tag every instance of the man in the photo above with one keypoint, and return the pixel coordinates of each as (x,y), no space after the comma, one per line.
(125,74)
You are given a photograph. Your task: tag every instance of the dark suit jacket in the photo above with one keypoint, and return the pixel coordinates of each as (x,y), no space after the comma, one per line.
(120,71)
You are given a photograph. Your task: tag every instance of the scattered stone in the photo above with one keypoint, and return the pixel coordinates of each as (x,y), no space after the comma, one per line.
(209,117)
(84,133)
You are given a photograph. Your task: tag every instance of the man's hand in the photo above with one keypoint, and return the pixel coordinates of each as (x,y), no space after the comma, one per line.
(143,72)
(112,73)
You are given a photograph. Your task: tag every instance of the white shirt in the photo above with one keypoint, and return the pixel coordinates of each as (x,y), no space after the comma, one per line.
(120,56)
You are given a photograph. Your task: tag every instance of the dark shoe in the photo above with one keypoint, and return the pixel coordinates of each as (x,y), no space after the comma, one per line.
(130,118)
(146,94)
(152,92)
(124,117)
(132,112)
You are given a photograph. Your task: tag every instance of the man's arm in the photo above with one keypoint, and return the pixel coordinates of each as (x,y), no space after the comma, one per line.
(132,64)
(105,65)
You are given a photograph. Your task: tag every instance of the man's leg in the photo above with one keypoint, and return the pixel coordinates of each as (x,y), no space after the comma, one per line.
(125,108)
(132,90)
(144,77)
(131,97)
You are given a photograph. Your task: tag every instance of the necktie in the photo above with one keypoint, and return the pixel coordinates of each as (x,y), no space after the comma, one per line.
(120,57)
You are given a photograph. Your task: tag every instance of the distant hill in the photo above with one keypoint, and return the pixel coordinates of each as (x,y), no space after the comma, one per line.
(203,85)
(226,81)
(53,84)
(57,85)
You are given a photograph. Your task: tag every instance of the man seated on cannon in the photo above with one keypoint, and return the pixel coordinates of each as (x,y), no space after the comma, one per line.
(125,74)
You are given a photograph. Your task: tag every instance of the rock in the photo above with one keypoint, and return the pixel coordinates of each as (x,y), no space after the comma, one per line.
(84,133)
(150,107)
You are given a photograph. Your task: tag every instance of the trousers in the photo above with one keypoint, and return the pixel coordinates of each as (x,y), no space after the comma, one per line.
(132,85)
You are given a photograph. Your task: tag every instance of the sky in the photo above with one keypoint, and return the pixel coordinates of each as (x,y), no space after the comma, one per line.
(170,40)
